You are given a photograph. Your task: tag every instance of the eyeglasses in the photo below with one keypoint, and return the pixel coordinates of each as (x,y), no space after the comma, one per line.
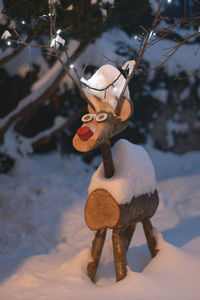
(99,118)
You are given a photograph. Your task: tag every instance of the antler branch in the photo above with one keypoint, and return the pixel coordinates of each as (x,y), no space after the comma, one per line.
(52,34)
(121,97)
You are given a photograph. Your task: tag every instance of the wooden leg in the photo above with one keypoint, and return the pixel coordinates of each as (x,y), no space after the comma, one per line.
(128,233)
(151,240)
(97,246)
(119,250)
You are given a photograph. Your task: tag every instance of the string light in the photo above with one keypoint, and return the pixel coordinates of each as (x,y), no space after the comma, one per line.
(135,37)
(115,89)
(169,1)
(71,66)
(23,22)
(9,43)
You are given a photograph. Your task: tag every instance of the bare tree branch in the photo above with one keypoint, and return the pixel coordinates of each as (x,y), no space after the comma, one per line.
(15,53)
(176,48)
(53,33)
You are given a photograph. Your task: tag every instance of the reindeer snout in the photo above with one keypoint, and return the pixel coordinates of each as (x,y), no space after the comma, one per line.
(84,133)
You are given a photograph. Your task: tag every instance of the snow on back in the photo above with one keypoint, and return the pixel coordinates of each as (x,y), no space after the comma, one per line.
(104,76)
(134,173)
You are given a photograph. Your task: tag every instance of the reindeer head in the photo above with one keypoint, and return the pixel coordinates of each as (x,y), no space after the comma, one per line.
(109,108)
(101,124)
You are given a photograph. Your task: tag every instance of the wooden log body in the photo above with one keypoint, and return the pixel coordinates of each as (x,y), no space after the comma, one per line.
(102,210)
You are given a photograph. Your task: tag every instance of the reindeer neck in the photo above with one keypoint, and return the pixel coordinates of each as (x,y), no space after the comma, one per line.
(107,159)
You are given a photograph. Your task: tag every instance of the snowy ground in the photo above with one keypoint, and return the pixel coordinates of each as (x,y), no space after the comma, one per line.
(44,240)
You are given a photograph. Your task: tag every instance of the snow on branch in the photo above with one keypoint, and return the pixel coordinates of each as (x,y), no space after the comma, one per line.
(26,145)
(9,55)
(40,93)
(59,124)
(6,35)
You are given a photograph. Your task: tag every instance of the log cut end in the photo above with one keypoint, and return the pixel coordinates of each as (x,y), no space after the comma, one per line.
(101,210)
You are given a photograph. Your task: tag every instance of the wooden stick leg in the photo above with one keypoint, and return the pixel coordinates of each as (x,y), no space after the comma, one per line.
(97,246)
(128,233)
(119,250)
(151,239)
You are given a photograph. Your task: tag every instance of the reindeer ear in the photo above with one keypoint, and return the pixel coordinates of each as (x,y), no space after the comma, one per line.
(126,110)
(97,104)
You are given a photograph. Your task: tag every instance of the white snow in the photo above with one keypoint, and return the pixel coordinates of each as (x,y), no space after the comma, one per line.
(70,7)
(102,78)
(15,144)
(160,94)
(44,240)
(39,87)
(175,127)
(134,173)
(57,41)
(185,93)
(5,35)
(185,59)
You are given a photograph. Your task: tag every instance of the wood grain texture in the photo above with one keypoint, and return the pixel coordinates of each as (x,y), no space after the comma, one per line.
(101,133)
(126,110)
(98,104)
(150,237)
(119,252)
(107,159)
(97,246)
(101,210)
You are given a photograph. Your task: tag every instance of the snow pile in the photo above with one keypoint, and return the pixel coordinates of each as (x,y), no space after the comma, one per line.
(134,173)
(105,76)
(160,94)
(185,93)
(172,274)
(44,240)
(173,127)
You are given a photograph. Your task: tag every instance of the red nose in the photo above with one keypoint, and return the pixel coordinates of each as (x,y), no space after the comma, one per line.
(84,133)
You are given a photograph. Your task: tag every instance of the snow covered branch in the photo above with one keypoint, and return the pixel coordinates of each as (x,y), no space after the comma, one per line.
(23,45)
(59,124)
(38,96)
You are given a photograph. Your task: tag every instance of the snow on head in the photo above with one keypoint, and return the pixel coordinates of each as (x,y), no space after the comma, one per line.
(105,76)
(134,173)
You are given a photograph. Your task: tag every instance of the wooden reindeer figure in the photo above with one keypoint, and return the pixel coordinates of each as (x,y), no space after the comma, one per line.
(122,192)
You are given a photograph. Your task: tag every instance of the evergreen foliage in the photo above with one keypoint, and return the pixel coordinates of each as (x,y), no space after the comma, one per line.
(129,15)
(86,21)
